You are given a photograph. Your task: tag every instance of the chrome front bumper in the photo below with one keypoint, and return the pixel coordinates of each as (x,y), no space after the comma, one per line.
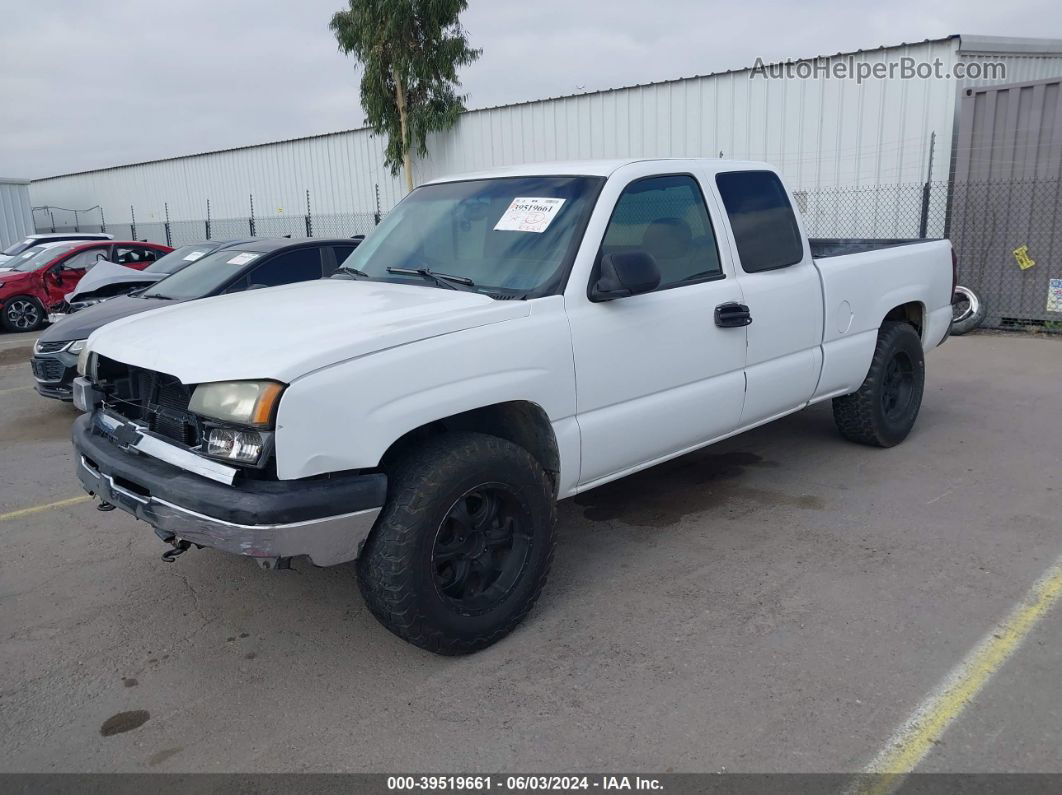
(186,497)
(327,541)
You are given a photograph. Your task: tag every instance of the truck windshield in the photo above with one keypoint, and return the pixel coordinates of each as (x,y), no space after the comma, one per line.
(510,235)
(202,277)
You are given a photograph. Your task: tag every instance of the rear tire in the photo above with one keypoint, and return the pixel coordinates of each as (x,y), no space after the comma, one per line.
(884,409)
(23,313)
(463,547)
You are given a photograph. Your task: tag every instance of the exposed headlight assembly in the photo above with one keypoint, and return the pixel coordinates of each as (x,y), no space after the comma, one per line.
(252,403)
(77,346)
(245,447)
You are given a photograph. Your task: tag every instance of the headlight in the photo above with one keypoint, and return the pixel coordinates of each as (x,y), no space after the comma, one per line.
(77,346)
(243,446)
(240,402)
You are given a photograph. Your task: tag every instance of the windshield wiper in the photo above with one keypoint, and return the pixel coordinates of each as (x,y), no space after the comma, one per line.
(354,271)
(441,279)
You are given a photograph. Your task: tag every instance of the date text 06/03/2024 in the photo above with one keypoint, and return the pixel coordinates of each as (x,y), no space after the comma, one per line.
(523,783)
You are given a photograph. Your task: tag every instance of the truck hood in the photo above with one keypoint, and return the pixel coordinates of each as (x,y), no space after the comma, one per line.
(286,332)
(105,274)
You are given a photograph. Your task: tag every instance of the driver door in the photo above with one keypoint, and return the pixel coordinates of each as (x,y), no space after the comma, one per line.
(655,375)
(61,278)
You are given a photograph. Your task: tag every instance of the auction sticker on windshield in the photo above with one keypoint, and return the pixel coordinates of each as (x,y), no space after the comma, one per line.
(192,256)
(529,214)
(242,259)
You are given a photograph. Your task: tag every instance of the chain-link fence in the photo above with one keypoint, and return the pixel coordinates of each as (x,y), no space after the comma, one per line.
(179,233)
(1006,234)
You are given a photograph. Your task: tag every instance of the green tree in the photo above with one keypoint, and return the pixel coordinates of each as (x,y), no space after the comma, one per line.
(411,51)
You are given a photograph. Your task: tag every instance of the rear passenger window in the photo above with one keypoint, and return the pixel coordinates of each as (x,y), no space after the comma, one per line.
(341,252)
(667,218)
(765,228)
(131,255)
(300,265)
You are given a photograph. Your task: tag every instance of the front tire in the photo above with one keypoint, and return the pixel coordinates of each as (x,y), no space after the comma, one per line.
(22,313)
(884,409)
(463,547)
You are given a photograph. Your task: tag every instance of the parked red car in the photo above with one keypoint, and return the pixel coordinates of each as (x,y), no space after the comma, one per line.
(33,283)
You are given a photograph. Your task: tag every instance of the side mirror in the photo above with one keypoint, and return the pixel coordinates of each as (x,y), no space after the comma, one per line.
(624,274)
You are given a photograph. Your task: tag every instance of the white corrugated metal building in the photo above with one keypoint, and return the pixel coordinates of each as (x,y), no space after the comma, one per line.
(821,131)
(16,220)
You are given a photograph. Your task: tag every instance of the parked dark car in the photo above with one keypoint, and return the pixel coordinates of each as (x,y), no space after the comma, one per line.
(240,266)
(113,280)
(33,285)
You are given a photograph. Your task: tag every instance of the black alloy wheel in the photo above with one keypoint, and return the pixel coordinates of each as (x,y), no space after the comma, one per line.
(481,548)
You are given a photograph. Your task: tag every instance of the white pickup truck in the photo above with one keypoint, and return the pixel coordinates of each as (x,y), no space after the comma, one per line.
(501,341)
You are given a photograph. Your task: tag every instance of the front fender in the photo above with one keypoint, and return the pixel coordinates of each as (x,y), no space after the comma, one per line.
(347,416)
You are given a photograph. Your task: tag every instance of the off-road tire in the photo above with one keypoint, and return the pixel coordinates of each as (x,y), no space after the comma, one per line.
(396,571)
(861,416)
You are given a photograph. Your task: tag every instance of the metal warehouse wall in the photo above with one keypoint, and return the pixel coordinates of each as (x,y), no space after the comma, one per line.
(821,133)
(16,220)
(1007,200)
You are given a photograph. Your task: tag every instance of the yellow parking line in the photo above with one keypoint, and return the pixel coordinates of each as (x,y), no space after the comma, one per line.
(14,389)
(917,736)
(46,507)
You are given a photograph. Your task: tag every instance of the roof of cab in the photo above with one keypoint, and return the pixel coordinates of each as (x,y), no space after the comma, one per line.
(600,168)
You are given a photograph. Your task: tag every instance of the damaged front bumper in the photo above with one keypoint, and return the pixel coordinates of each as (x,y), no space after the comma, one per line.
(325,519)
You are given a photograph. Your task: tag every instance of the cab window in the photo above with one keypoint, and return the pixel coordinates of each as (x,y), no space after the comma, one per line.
(765,227)
(300,265)
(666,217)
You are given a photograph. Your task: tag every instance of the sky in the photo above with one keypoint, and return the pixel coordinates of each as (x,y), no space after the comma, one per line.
(86,85)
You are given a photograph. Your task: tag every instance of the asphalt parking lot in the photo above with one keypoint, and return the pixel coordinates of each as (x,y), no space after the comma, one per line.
(783,601)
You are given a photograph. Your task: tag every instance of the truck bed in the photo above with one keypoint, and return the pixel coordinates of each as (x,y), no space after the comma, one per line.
(822,247)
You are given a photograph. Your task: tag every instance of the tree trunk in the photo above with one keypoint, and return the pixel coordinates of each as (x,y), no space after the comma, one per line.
(403,125)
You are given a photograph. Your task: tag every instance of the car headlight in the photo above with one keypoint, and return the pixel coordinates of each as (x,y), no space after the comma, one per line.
(251,403)
(77,346)
(233,445)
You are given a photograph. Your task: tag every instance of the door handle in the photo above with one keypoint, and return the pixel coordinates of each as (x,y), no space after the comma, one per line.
(732,315)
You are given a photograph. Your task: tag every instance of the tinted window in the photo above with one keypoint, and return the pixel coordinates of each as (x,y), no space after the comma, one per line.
(765,228)
(134,255)
(341,252)
(300,265)
(206,275)
(666,217)
(180,258)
